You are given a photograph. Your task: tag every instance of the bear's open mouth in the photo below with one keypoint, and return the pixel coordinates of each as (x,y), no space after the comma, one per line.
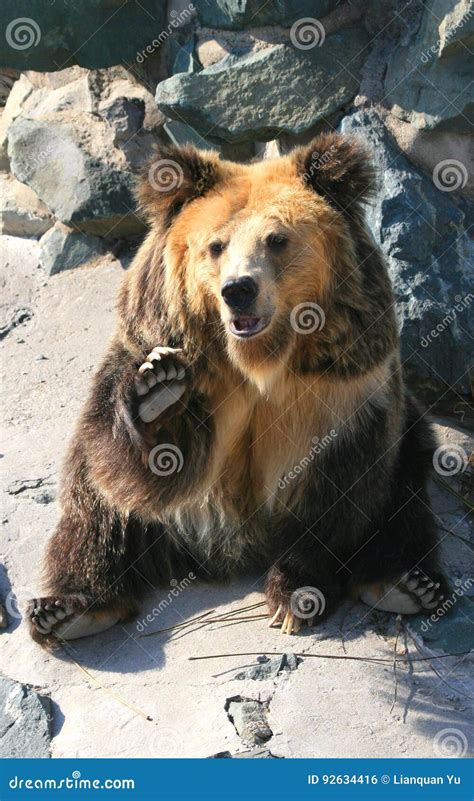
(246,326)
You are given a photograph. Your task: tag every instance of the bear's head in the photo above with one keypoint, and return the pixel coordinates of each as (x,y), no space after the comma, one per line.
(262,258)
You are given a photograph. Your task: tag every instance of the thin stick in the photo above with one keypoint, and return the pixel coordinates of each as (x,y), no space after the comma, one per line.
(114,695)
(179,625)
(328,656)
(235,619)
(395,674)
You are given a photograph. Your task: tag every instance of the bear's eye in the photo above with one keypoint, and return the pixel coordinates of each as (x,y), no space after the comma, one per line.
(277,241)
(216,248)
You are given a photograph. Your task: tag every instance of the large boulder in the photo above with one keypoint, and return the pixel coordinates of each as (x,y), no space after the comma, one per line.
(79,145)
(422,229)
(277,90)
(50,36)
(63,248)
(429,78)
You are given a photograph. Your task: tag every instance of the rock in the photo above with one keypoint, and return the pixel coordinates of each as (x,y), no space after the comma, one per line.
(23,484)
(270,669)
(63,248)
(21,211)
(429,78)
(269,106)
(25,730)
(100,33)
(79,145)
(422,233)
(7,79)
(3,617)
(250,719)
(19,94)
(238,14)
(253,753)
(426,149)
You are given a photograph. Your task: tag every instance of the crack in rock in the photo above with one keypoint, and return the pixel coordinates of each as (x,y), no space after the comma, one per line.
(270,668)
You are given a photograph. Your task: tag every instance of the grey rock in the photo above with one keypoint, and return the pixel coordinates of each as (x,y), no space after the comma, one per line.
(99,33)
(270,669)
(429,78)
(63,248)
(423,234)
(25,730)
(238,14)
(3,617)
(253,753)
(313,88)
(24,484)
(250,719)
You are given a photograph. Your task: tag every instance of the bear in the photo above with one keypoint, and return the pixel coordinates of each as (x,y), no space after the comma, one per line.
(250,412)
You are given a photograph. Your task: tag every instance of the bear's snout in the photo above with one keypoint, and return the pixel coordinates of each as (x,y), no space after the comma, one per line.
(240,293)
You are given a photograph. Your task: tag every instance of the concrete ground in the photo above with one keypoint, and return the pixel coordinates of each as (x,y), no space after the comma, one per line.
(55,331)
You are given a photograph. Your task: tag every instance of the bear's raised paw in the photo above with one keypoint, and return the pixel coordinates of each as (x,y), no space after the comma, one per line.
(53,619)
(160,382)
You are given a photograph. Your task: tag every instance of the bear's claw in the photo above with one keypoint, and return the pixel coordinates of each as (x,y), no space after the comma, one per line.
(413,593)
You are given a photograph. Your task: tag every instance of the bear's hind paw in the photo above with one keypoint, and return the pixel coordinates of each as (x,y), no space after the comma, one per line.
(52,619)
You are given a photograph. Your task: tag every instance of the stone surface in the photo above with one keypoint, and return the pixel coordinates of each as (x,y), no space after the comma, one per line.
(24,722)
(429,77)
(313,89)
(250,719)
(64,248)
(20,92)
(423,235)
(269,668)
(237,14)
(52,38)
(21,211)
(79,145)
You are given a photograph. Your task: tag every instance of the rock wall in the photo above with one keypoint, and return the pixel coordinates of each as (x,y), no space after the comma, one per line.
(92,86)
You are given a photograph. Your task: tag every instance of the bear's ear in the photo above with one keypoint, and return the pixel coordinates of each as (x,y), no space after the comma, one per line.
(174,176)
(340,169)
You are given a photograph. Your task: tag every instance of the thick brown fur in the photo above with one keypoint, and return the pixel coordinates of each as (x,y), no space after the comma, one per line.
(358,512)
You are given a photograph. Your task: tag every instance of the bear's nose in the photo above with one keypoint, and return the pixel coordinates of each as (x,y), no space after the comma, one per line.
(239,293)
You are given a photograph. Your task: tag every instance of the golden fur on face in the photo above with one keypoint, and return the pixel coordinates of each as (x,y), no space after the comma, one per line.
(253,204)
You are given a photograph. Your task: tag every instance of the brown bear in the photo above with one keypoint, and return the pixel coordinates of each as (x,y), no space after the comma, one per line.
(250,411)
